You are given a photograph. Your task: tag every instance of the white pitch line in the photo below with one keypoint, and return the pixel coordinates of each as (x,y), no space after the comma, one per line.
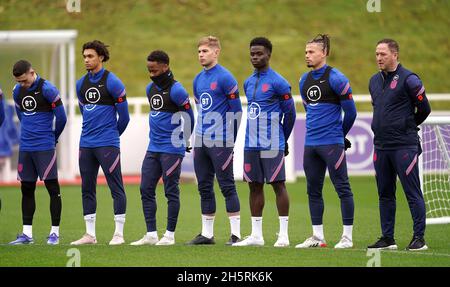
(298,249)
(402,252)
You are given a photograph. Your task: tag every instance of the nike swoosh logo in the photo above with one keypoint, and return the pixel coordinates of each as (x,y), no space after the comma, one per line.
(107,154)
(164,93)
(321,81)
(100,86)
(37,93)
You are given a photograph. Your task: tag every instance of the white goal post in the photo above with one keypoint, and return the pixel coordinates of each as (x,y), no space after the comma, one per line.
(434,168)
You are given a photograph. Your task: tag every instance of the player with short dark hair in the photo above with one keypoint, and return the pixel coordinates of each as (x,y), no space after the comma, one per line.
(219,113)
(37,103)
(160,57)
(326,92)
(169,139)
(103,105)
(399,107)
(270,120)
(99,47)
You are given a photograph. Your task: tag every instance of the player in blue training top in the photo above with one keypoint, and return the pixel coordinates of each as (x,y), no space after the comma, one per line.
(38,103)
(219,112)
(2,140)
(169,139)
(2,119)
(101,98)
(270,120)
(2,110)
(326,92)
(9,136)
(399,105)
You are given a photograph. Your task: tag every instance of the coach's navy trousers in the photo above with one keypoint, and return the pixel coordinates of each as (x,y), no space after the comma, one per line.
(388,164)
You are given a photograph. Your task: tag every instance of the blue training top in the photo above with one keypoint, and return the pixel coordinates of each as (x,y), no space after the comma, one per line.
(324,124)
(270,105)
(162,128)
(36,127)
(2,110)
(216,93)
(100,124)
(8,131)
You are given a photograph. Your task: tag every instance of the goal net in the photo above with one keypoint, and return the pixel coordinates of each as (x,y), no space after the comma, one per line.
(435,168)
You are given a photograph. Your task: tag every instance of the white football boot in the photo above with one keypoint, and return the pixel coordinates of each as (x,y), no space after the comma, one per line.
(250,241)
(283,241)
(117,239)
(166,240)
(344,243)
(146,240)
(86,239)
(312,242)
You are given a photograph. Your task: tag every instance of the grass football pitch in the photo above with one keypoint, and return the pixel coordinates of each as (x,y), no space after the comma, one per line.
(366,231)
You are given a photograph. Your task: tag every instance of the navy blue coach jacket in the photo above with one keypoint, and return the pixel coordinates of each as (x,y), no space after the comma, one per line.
(393,121)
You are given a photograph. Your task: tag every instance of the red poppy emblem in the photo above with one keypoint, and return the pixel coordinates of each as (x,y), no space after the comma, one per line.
(213,86)
(265,87)
(247,167)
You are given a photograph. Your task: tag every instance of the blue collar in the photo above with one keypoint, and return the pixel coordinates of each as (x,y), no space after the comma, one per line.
(262,73)
(97,76)
(212,69)
(320,71)
(35,84)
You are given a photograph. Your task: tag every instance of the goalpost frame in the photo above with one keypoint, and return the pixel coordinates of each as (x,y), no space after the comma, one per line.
(64,43)
(435,120)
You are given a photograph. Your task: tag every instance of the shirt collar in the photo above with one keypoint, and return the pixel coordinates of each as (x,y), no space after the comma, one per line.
(35,83)
(263,73)
(212,69)
(393,72)
(319,71)
(96,76)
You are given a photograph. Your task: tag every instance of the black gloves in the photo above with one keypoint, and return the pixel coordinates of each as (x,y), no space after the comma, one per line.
(419,147)
(188,146)
(286,149)
(347,144)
